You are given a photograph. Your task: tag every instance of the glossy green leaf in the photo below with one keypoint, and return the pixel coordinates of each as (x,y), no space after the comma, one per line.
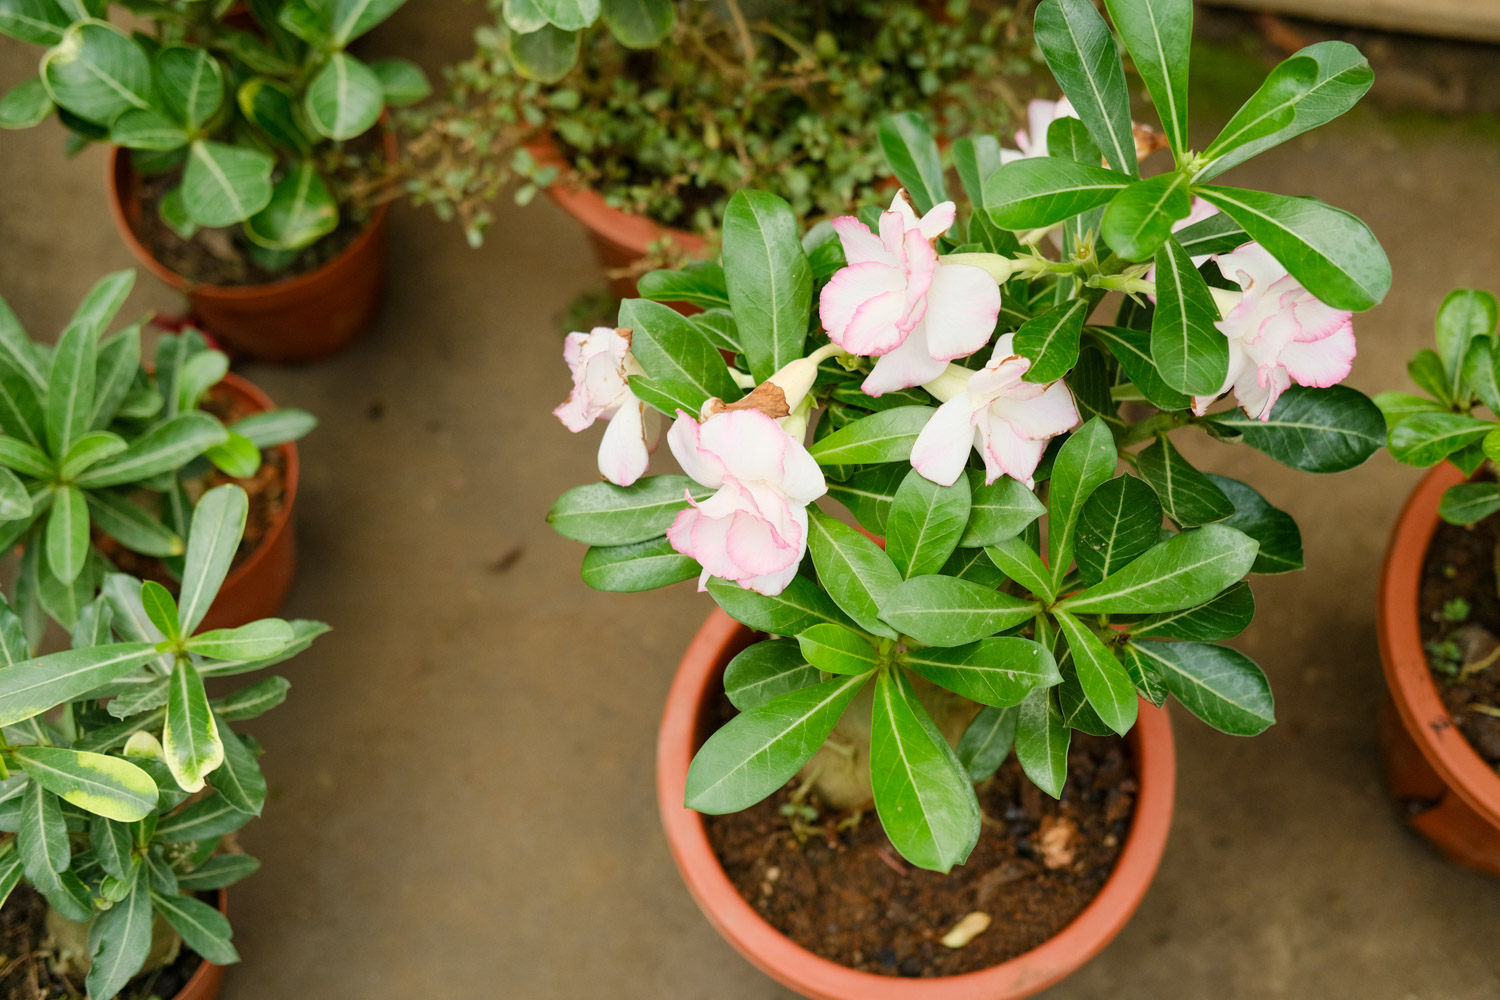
(1185,570)
(637,566)
(255,641)
(1085,462)
(190,82)
(868,493)
(987,742)
(160,608)
(402,82)
(1189,351)
(946,611)
(886,436)
(1427,438)
(765,670)
(606,514)
(1081,52)
(639,24)
(769,280)
(111,843)
(40,22)
(1138,220)
(674,351)
(1216,234)
(205,819)
(103,785)
(240,780)
(1158,34)
(800,606)
(142,128)
(1105,681)
(41,684)
(42,838)
(252,701)
(998,511)
(1045,190)
(1469,502)
(1275,530)
(344,99)
(856,573)
(1050,341)
(222,185)
(235,457)
(97,72)
(1020,562)
(218,872)
(700,283)
(25,458)
(545,55)
(272,108)
(996,671)
(348,19)
(120,939)
(1221,686)
(837,650)
(1041,741)
(925,523)
(1224,616)
(1315,430)
(15,502)
(203,928)
(1119,522)
(1188,496)
(70,388)
(1479,374)
(218,525)
(190,736)
(913,156)
(1465,316)
(975,158)
(301,211)
(130,525)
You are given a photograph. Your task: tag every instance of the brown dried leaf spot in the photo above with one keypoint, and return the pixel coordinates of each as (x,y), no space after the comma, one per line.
(768,398)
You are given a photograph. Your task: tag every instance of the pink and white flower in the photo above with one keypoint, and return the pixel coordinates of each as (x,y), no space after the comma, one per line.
(1032,140)
(897,302)
(1007,420)
(753,531)
(1279,333)
(601,364)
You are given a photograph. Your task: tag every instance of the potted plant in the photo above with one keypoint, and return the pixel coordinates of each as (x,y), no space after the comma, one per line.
(245,139)
(1440,727)
(965,395)
(643,131)
(123,783)
(101,461)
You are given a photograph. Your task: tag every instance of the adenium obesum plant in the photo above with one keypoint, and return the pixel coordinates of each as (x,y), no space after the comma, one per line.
(120,777)
(251,102)
(1461,376)
(1050,556)
(90,440)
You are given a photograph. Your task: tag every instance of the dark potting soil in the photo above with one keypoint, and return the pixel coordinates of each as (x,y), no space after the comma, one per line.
(1460,617)
(26,973)
(845,894)
(221,256)
(266,491)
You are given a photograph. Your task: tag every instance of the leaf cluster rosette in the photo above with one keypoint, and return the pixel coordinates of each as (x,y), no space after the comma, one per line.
(122,778)
(92,442)
(1460,376)
(1051,556)
(250,102)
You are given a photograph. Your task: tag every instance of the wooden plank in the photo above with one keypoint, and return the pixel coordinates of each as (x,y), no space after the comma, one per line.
(1473,19)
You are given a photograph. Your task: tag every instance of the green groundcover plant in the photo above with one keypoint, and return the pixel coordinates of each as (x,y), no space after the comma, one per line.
(680,103)
(252,102)
(120,778)
(1051,556)
(1462,375)
(90,441)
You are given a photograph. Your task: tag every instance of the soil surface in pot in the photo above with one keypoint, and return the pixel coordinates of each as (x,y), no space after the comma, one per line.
(1460,612)
(221,256)
(26,973)
(841,891)
(266,490)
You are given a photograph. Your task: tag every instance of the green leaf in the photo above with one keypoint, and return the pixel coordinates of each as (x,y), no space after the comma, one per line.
(1427,371)
(1085,462)
(24,458)
(106,786)
(1188,496)
(1469,502)
(222,185)
(15,502)
(570,15)
(97,72)
(637,566)
(10,870)
(797,608)
(1224,616)
(240,780)
(272,108)
(997,671)
(301,211)
(700,283)
(1190,352)
(40,22)
(1132,348)
(769,279)
(606,514)
(190,736)
(868,493)
(203,928)
(252,701)
(1021,563)
(236,457)
(1467,315)
(857,574)
(88,449)
(42,838)
(348,19)
(1158,34)
(998,511)
(886,436)
(160,608)
(111,843)
(1105,682)
(639,24)
(120,939)
(344,99)
(131,526)
(20,408)
(913,156)
(218,872)
(1077,713)
(1315,430)
(837,650)
(765,670)
(1119,522)
(267,430)
(1138,220)
(42,684)
(675,352)
(1275,530)
(1427,438)
(1223,687)
(218,525)
(545,55)
(204,819)
(1050,342)
(402,82)
(757,751)
(305,632)
(1314,86)
(975,158)
(70,388)
(1081,53)
(1185,570)
(190,82)
(1041,741)
(987,742)
(1332,253)
(255,641)
(1216,234)
(946,611)
(925,523)
(1045,190)
(141,128)
(1479,375)
(922,792)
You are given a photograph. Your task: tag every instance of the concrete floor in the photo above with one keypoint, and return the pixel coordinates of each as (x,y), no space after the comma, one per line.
(463,800)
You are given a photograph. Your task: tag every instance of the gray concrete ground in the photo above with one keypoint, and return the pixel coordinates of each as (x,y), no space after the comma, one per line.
(463,799)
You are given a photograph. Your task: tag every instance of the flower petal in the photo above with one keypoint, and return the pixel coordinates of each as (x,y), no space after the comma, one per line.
(624,452)
(908,365)
(683,440)
(853,286)
(942,448)
(1045,415)
(860,245)
(750,445)
(938,220)
(962,305)
(1006,453)
(1321,363)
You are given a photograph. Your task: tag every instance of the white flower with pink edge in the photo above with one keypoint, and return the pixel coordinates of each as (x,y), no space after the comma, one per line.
(1007,420)
(897,302)
(1032,140)
(753,531)
(1279,333)
(601,364)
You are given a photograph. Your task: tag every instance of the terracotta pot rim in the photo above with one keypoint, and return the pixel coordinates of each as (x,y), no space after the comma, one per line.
(633,232)
(814,976)
(119,164)
(1412,687)
(252,393)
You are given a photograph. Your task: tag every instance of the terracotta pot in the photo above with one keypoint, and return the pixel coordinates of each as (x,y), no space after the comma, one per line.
(257,587)
(301,318)
(1446,791)
(686,724)
(619,238)
(205,983)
